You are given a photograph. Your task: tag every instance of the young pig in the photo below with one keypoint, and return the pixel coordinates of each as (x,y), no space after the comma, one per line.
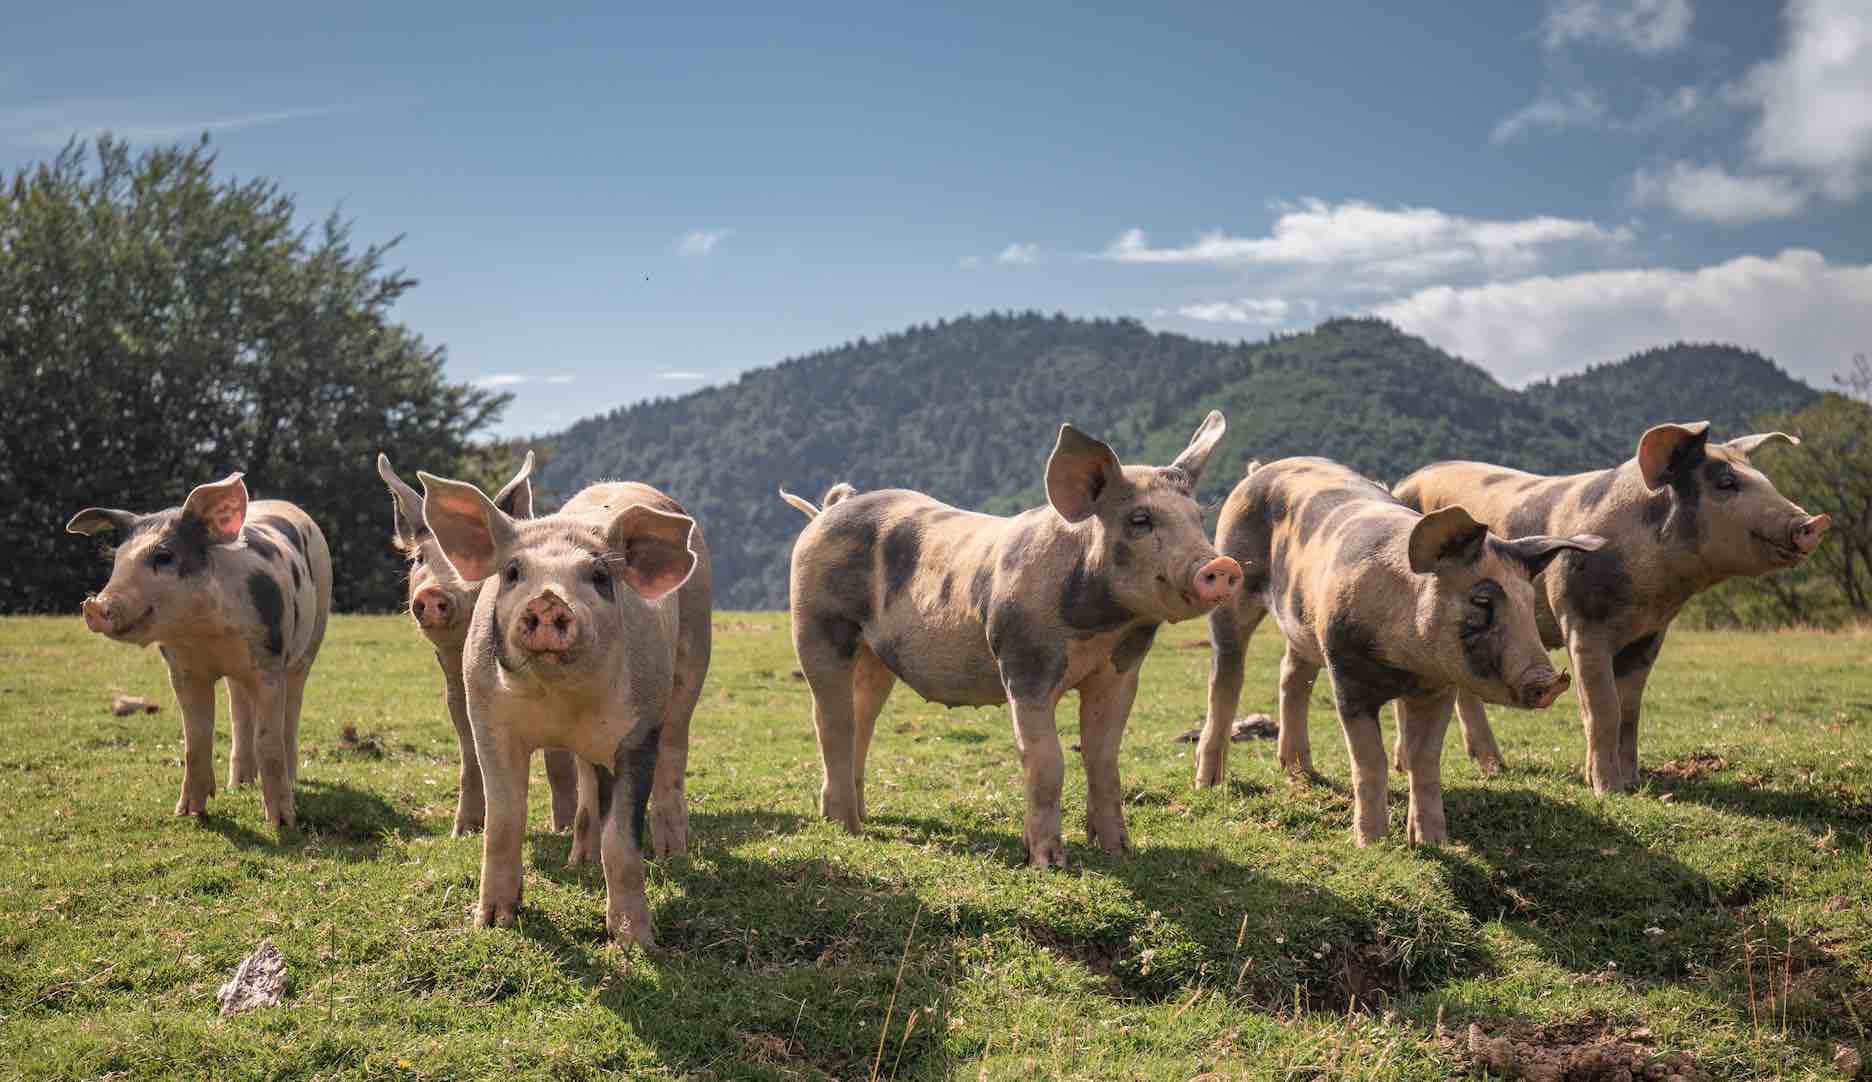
(970,609)
(439,602)
(1394,605)
(226,589)
(590,631)
(1680,516)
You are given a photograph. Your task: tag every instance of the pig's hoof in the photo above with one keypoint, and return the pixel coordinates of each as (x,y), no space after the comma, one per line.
(1428,836)
(239,775)
(495,914)
(1208,776)
(580,854)
(1488,767)
(192,805)
(1047,854)
(1113,842)
(465,828)
(669,832)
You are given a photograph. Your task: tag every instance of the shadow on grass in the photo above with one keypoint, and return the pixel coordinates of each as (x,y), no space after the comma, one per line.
(1807,806)
(350,824)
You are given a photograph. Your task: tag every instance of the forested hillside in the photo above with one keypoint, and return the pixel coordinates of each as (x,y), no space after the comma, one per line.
(966,410)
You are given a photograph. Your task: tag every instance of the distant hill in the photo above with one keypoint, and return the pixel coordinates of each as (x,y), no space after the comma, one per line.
(966,410)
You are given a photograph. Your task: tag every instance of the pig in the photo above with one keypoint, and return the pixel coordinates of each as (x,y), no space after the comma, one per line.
(1396,606)
(225,588)
(439,603)
(1679,517)
(971,609)
(590,631)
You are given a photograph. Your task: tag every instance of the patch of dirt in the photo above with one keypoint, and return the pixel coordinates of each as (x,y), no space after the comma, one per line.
(370,746)
(1691,767)
(1593,1049)
(125,705)
(1252,727)
(769,1049)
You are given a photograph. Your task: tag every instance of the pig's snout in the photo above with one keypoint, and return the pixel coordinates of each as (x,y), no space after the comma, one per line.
(1216,582)
(431,607)
(547,625)
(1542,687)
(99,615)
(1808,532)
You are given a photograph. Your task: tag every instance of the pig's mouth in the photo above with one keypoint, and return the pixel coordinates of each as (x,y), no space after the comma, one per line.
(134,626)
(1541,695)
(1784,552)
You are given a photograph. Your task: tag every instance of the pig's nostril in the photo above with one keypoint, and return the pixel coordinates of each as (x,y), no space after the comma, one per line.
(416,607)
(560,623)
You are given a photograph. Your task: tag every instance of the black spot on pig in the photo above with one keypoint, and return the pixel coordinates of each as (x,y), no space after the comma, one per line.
(842,633)
(270,604)
(1087,603)
(1481,631)
(257,541)
(287,529)
(903,547)
(1493,479)
(1636,656)
(1363,539)
(948,587)
(1598,585)
(1031,666)
(1132,648)
(1362,680)
(636,767)
(1295,604)
(298,579)
(1595,491)
(981,591)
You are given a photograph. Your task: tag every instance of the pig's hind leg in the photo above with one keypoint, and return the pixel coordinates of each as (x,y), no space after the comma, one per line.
(242,762)
(827,650)
(872,682)
(1422,724)
(1229,630)
(1104,707)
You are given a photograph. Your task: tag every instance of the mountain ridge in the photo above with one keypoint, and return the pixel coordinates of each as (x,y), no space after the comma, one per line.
(966,410)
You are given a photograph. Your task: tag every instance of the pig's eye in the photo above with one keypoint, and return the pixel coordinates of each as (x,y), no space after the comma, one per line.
(1481,612)
(601,582)
(418,558)
(1139,521)
(511,574)
(162,558)
(1726,481)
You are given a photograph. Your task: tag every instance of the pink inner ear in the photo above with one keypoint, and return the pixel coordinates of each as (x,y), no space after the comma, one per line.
(228,515)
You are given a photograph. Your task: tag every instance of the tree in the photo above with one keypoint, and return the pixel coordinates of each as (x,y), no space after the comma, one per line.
(160,327)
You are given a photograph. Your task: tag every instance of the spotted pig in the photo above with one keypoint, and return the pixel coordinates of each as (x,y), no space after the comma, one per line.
(439,603)
(590,631)
(225,588)
(1396,606)
(971,609)
(1679,517)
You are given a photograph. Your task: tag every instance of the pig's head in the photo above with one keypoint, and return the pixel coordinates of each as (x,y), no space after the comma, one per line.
(1144,530)
(1479,608)
(1711,500)
(438,599)
(568,600)
(159,570)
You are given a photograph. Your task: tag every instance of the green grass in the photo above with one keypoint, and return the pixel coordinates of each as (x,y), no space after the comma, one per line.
(1234,940)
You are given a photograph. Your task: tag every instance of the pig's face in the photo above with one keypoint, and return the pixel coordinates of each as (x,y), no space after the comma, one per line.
(1708,497)
(438,599)
(1144,529)
(158,583)
(569,597)
(1481,604)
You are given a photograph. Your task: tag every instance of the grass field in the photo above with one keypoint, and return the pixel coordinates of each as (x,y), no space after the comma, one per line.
(1724,910)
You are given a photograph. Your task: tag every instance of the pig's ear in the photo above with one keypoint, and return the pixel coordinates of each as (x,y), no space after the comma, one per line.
(222,505)
(650,549)
(1748,444)
(407,501)
(1536,552)
(516,496)
(1666,451)
(95,520)
(474,534)
(1201,445)
(1078,473)
(1446,534)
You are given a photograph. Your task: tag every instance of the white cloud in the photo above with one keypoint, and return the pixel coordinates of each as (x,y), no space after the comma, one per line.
(702,242)
(1645,26)
(1024,254)
(1261,311)
(560,379)
(1808,315)
(1711,193)
(678,374)
(969,262)
(1553,109)
(50,125)
(1815,97)
(1397,242)
(502,379)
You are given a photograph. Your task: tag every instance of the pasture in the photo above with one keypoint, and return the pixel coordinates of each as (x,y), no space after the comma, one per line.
(1725,909)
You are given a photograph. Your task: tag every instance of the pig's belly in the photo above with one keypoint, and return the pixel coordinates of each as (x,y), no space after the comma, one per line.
(950,666)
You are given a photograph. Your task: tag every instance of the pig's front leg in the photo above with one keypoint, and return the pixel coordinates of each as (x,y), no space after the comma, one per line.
(1104,707)
(588,817)
(1358,715)
(195,696)
(1043,766)
(562,779)
(1422,725)
(1228,643)
(1295,746)
(1601,714)
(1478,736)
(504,777)
(627,908)
(243,766)
(471,802)
(267,693)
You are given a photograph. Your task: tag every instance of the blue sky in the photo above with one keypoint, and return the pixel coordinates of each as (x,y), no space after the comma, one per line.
(610,205)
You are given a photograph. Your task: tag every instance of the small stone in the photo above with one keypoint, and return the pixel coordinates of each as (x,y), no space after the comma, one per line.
(125,705)
(257,981)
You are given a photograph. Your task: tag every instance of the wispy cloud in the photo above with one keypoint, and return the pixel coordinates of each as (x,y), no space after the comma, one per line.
(501,379)
(50,125)
(969,262)
(560,379)
(1020,254)
(702,242)
(1560,108)
(1398,242)
(681,375)
(1258,311)
(1651,27)
(1711,193)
